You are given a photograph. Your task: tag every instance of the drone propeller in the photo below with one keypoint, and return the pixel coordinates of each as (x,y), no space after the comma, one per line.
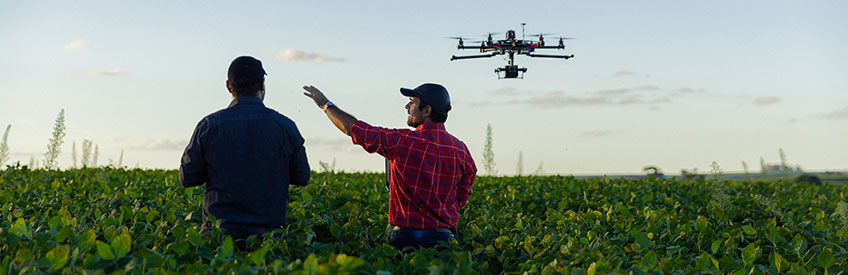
(453,37)
(542,34)
(566,38)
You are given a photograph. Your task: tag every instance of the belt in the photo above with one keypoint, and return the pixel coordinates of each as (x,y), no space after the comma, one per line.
(439,230)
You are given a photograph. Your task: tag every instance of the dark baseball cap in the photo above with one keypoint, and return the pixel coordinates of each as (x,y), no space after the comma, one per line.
(245,70)
(434,94)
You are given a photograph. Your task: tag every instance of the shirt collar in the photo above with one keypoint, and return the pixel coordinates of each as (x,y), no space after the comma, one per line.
(246,100)
(435,126)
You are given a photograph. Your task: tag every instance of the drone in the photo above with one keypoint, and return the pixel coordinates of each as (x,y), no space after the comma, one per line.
(511,46)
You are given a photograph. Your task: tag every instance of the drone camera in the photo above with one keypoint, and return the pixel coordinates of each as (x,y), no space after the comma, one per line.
(511,72)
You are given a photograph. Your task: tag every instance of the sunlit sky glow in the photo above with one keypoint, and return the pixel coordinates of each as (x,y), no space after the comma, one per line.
(673,84)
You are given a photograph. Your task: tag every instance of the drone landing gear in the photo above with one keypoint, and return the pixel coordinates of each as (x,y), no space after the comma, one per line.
(510,72)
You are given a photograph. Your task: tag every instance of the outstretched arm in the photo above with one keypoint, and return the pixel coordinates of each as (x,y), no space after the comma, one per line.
(342,120)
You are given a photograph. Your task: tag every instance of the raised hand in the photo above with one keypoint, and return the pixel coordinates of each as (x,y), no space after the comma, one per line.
(316,95)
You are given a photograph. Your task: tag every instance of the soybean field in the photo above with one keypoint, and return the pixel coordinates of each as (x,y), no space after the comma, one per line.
(107,220)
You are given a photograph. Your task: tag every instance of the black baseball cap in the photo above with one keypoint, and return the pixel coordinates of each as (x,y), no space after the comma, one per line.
(434,94)
(245,70)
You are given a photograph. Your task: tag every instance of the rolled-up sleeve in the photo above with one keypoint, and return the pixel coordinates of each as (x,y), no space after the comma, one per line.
(298,165)
(378,140)
(192,165)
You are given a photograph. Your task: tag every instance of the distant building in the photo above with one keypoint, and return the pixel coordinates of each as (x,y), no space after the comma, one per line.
(789,168)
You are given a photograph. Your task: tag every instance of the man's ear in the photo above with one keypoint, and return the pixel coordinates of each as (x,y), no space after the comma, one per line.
(427,111)
(229,87)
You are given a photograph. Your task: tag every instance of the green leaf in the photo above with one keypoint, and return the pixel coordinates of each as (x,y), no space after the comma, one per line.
(825,258)
(19,228)
(642,240)
(647,197)
(749,230)
(348,263)
(777,262)
(528,245)
(86,239)
(749,254)
(799,244)
(121,244)
(310,265)
(89,260)
(54,222)
(227,248)
(703,262)
(591,270)
(716,245)
(151,257)
(194,237)
(774,235)
(501,241)
(305,196)
(702,224)
(105,251)
(258,256)
(58,257)
(562,205)
(63,234)
(649,260)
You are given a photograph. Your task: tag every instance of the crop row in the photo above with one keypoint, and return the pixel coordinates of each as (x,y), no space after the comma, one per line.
(142,221)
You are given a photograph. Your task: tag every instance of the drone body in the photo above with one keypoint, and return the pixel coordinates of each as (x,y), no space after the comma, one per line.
(511,46)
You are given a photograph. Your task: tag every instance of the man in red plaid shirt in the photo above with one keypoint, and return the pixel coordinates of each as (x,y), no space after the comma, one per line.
(430,170)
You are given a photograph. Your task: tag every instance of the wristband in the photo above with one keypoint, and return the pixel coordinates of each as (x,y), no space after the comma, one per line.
(327,105)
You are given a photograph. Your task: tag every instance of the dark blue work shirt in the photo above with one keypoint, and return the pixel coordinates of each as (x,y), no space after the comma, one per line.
(247,155)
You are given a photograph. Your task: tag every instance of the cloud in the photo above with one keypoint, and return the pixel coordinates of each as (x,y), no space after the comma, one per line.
(596,133)
(613,92)
(297,55)
(632,99)
(77,45)
(664,99)
(648,88)
(331,144)
(768,100)
(149,144)
(688,90)
(558,99)
(642,95)
(624,73)
(479,103)
(113,72)
(508,91)
(838,114)
(511,91)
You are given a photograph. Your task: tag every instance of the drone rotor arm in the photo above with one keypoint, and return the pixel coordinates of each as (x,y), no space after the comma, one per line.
(454,57)
(550,56)
(550,47)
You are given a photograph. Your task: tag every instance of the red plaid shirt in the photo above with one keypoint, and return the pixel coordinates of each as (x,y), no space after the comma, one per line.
(431,172)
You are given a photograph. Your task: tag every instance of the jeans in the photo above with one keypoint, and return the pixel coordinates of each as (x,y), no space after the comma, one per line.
(402,237)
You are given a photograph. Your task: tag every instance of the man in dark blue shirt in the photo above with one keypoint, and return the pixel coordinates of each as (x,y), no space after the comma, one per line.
(247,155)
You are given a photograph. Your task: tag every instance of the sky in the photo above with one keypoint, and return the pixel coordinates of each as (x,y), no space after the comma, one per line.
(674,84)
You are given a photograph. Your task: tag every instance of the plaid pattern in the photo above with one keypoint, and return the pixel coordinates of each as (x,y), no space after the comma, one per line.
(431,172)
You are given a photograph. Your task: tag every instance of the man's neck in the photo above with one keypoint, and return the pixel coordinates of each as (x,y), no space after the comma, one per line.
(260,98)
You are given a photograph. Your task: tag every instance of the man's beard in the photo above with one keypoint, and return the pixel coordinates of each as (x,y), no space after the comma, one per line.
(411,122)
